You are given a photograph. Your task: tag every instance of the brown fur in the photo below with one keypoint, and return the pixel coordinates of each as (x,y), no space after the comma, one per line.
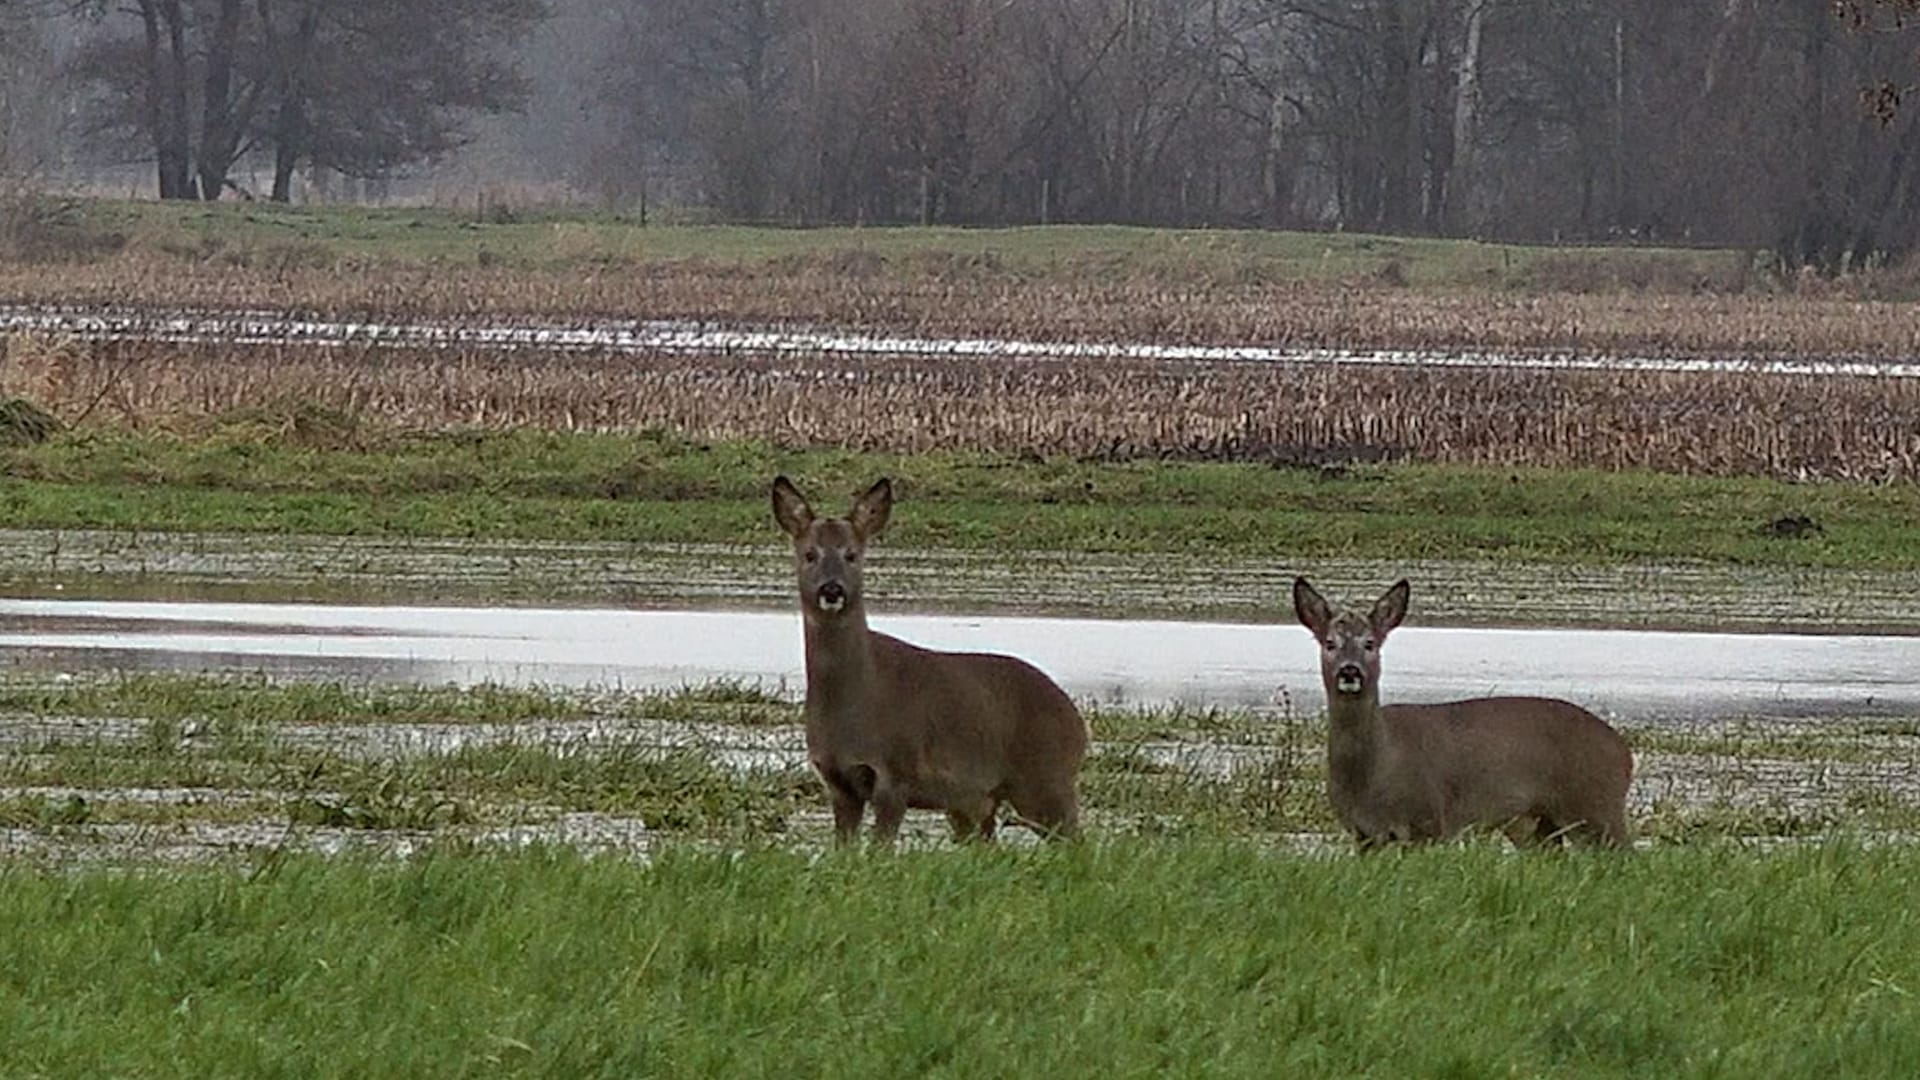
(1538,768)
(899,726)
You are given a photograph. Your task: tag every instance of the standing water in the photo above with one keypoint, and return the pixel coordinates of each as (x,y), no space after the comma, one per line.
(1623,673)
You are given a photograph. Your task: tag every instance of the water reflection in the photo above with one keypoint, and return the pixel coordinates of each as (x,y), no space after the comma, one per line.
(1625,673)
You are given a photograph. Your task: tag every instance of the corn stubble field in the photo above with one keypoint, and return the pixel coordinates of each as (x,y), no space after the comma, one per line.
(1139,286)
(1727,424)
(202,874)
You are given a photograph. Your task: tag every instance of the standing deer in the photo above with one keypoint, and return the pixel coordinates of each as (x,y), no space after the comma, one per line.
(899,726)
(1538,768)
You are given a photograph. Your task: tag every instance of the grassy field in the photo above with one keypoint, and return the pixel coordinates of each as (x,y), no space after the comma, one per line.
(525,485)
(1119,959)
(549,239)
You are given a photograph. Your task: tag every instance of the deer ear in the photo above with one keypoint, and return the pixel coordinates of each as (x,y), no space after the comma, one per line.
(1390,608)
(790,508)
(871,509)
(1311,608)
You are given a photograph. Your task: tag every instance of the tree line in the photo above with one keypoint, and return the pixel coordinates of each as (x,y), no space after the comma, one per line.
(1751,122)
(1725,121)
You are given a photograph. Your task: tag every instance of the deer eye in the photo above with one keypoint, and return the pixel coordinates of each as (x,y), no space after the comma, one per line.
(1371,645)
(813,555)
(853,556)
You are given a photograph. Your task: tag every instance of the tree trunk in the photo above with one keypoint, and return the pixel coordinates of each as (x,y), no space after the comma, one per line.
(1730,19)
(219,125)
(1457,195)
(1399,141)
(284,163)
(1274,172)
(166,104)
(289,129)
(1618,150)
(178,157)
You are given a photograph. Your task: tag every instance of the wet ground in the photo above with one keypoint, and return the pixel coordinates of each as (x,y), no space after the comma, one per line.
(1758,736)
(1761,781)
(676,337)
(1650,647)
(1636,675)
(232,567)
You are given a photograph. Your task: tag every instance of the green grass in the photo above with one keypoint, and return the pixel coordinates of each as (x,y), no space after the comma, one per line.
(556,239)
(1122,959)
(243,703)
(533,486)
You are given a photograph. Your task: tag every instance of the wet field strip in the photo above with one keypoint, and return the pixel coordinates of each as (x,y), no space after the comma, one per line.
(132,769)
(145,564)
(657,338)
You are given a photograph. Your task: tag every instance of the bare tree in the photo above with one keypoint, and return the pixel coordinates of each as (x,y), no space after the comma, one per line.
(368,89)
(362,89)
(27,119)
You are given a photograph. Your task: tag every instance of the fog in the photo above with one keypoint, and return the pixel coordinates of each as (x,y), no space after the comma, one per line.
(1760,124)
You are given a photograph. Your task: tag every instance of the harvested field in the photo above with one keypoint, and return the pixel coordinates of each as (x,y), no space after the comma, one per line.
(1002,305)
(1723,423)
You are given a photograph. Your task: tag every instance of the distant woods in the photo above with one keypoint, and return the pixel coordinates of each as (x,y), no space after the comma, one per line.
(1760,123)
(1722,121)
(363,89)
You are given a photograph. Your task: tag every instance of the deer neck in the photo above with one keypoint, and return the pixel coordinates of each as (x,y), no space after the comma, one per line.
(1356,736)
(840,668)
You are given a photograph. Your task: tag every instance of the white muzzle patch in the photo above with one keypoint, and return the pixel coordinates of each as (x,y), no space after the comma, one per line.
(832,604)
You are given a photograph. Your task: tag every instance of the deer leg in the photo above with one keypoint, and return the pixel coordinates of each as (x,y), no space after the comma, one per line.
(1053,814)
(1609,829)
(1614,831)
(1528,830)
(973,820)
(847,812)
(963,826)
(889,809)
(848,806)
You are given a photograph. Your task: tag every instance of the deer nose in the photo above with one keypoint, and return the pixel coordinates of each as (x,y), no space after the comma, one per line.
(832,595)
(1349,678)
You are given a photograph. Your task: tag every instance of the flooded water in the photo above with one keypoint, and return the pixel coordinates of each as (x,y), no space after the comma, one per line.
(674,337)
(1636,675)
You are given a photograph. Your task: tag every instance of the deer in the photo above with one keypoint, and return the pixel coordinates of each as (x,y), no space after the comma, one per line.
(898,726)
(1539,769)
